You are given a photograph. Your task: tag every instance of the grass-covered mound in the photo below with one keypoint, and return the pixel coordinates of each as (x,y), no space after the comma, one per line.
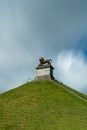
(42,105)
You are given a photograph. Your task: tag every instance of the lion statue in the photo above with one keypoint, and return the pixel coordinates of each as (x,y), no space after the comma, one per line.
(43,61)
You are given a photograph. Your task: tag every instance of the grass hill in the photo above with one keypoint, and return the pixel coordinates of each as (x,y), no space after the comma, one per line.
(43,105)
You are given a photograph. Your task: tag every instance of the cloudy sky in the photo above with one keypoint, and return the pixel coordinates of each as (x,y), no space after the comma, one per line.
(30,29)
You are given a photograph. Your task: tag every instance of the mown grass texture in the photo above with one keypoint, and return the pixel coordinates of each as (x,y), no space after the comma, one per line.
(42,105)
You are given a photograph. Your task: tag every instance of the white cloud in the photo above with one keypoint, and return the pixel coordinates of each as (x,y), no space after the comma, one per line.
(72,69)
(30,29)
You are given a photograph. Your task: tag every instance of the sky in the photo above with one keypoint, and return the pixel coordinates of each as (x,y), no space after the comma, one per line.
(53,29)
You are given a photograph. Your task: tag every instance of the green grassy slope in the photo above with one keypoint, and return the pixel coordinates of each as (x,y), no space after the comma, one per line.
(42,105)
(73,91)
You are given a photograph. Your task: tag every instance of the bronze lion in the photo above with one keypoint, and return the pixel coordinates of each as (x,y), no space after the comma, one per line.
(43,61)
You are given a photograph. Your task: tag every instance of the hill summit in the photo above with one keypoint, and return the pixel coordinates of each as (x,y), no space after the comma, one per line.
(43,105)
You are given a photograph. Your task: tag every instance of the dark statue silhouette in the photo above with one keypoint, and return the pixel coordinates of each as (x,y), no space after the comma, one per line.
(43,61)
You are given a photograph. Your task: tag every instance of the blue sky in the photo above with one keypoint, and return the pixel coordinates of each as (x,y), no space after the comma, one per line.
(30,29)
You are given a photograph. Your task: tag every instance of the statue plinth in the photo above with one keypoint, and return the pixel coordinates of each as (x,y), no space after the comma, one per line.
(44,72)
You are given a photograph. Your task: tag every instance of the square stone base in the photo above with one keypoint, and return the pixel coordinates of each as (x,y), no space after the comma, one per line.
(44,72)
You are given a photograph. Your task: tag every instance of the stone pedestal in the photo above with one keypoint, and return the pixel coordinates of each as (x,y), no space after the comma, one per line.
(44,72)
